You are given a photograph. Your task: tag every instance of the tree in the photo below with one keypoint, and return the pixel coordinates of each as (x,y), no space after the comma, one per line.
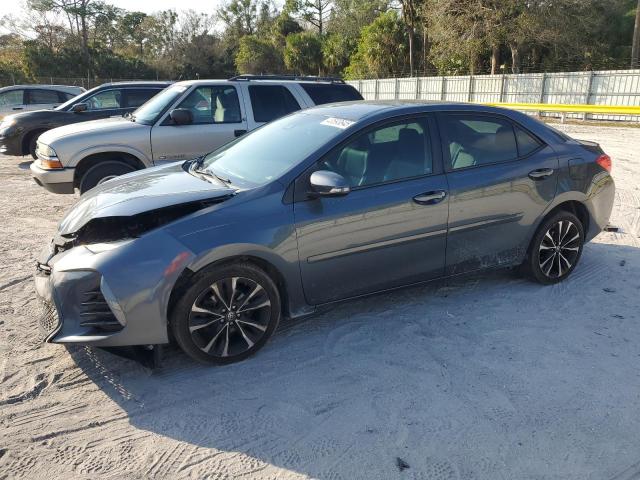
(303,53)
(80,14)
(314,12)
(381,51)
(635,46)
(258,56)
(336,52)
(409,10)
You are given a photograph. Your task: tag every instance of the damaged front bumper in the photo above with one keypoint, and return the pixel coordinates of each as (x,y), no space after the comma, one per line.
(109,297)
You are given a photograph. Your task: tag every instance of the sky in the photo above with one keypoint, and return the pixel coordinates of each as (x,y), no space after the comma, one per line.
(147,6)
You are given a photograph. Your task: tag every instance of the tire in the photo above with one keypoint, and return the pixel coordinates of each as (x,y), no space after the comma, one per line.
(102,172)
(33,142)
(209,331)
(555,249)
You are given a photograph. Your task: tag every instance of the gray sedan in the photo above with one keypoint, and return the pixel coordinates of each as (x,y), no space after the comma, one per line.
(320,206)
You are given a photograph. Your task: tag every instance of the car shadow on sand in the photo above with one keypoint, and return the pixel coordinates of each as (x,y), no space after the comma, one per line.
(482,376)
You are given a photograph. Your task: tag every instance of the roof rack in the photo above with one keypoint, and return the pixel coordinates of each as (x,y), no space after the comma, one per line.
(287,77)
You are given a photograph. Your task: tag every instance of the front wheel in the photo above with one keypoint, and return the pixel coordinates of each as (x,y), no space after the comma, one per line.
(227,314)
(102,172)
(555,249)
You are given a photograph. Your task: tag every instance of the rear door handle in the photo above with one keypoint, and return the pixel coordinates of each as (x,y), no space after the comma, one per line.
(540,173)
(18,108)
(430,198)
(239,133)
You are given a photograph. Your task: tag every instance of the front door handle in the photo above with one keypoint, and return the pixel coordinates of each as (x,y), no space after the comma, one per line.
(239,133)
(430,198)
(540,173)
(18,108)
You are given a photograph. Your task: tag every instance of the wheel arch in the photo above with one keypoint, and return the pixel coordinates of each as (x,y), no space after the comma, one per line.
(26,139)
(91,160)
(575,207)
(184,280)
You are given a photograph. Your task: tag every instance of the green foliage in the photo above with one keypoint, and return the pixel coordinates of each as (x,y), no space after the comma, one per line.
(382,50)
(303,53)
(258,56)
(336,52)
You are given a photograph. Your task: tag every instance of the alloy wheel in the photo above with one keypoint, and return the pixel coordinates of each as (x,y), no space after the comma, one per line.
(559,249)
(229,317)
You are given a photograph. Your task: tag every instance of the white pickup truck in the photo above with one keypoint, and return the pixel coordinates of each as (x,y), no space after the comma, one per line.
(186,120)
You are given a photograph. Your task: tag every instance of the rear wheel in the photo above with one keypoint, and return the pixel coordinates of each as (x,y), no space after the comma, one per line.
(227,314)
(556,248)
(102,172)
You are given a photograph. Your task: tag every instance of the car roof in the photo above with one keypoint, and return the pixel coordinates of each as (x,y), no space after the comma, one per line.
(41,87)
(138,83)
(273,81)
(363,109)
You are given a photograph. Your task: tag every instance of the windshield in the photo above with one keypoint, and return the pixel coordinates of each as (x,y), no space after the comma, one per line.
(77,99)
(149,112)
(270,151)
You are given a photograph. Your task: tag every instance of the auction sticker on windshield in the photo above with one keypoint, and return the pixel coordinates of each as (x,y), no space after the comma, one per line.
(337,122)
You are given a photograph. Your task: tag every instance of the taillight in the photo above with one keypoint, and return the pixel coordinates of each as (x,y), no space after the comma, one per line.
(604,161)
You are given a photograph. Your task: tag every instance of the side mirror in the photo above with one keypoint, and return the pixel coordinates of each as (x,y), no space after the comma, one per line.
(80,107)
(181,116)
(328,184)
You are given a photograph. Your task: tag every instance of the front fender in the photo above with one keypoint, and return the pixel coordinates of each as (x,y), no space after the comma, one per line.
(112,148)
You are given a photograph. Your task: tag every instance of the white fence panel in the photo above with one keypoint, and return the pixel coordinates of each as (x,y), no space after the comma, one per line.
(614,87)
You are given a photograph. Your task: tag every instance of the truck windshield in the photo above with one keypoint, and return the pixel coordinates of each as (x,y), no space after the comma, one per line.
(272,150)
(148,112)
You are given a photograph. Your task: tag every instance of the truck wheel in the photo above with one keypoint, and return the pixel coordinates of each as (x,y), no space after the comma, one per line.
(101,173)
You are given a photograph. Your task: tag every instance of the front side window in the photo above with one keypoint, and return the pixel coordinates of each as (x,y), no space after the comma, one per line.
(37,96)
(150,111)
(392,152)
(271,101)
(475,140)
(11,98)
(105,100)
(218,104)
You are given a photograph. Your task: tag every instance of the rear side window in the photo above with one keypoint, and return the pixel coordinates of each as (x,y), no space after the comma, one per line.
(526,143)
(42,96)
(474,140)
(64,96)
(330,93)
(137,96)
(271,101)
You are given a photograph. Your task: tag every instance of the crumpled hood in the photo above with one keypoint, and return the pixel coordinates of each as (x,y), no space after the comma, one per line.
(140,192)
(109,128)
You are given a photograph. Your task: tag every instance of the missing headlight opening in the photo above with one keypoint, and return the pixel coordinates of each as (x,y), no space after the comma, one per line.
(111,229)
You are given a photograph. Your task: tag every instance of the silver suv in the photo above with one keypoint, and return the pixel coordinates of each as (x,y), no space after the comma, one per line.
(186,120)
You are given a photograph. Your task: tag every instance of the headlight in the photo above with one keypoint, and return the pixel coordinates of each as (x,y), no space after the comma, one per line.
(6,125)
(45,150)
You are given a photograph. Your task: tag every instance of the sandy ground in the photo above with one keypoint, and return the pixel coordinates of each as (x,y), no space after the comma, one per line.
(488,377)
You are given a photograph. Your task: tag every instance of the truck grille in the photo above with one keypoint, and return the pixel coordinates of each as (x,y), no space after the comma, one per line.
(49,320)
